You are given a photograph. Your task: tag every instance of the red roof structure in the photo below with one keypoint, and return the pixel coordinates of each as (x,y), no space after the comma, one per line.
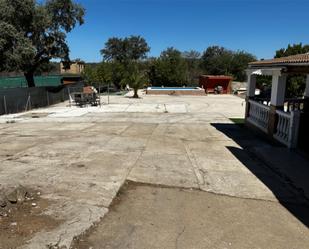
(212,82)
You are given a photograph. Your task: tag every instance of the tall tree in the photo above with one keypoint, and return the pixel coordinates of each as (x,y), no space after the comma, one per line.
(292,50)
(193,62)
(32,33)
(295,83)
(105,73)
(240,62)
(126,49)
(123,53)
(219,60)
(169,69)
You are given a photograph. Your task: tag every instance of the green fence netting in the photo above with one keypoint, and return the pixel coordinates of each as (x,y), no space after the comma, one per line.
(13,82)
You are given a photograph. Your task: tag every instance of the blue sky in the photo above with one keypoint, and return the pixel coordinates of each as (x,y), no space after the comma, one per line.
(257,26)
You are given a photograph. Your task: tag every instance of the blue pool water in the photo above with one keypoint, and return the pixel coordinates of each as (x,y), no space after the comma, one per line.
(171,88)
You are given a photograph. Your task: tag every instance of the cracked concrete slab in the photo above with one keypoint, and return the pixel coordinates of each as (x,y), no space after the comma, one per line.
(244,185)
(164,169)
(81,161)
(220,173)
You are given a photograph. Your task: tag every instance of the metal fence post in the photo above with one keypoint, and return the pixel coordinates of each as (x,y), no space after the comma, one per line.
(5,107)
(108,93)
(47,98)
(69,93)
(63,97)
(28,103)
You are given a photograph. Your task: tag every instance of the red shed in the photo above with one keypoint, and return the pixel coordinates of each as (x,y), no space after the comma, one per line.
(212,82)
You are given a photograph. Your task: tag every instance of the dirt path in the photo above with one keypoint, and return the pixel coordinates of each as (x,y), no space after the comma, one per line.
(21,218)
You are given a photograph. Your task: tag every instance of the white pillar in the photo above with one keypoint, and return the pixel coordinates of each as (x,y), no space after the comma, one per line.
(278,90)
(251,85)
(306,94)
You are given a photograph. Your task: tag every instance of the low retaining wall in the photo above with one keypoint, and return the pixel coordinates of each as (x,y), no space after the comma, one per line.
(14,100)
(196,92)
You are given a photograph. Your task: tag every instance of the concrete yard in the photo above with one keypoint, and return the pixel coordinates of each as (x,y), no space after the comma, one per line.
(173,150)
(146,216)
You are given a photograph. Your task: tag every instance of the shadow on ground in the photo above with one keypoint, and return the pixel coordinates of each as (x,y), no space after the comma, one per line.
(298,205)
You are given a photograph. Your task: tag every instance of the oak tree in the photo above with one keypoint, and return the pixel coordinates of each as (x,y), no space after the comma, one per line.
(34,32)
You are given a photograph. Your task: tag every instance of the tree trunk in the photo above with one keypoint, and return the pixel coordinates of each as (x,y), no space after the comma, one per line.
(135,94)
(30,79)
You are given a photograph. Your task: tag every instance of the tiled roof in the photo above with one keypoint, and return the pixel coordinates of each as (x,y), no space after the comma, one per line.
(293,59)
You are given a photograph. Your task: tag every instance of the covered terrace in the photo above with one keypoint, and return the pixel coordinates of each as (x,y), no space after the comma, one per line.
(282,119)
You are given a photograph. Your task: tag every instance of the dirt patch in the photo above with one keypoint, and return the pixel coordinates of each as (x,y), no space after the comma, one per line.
(21,216)
(147,216)
(36,115)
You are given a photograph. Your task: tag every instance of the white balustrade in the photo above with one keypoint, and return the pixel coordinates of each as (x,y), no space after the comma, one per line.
(258,115)
(287,128)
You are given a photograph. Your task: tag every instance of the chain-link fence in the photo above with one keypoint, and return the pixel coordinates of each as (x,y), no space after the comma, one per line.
(13,100)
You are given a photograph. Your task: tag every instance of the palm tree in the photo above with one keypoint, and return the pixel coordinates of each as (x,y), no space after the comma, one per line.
(136,80)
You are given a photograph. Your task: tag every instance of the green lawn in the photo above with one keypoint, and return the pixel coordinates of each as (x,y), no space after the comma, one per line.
(238,121)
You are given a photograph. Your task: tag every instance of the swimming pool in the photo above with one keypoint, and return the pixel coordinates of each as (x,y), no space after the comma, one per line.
(175,90)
